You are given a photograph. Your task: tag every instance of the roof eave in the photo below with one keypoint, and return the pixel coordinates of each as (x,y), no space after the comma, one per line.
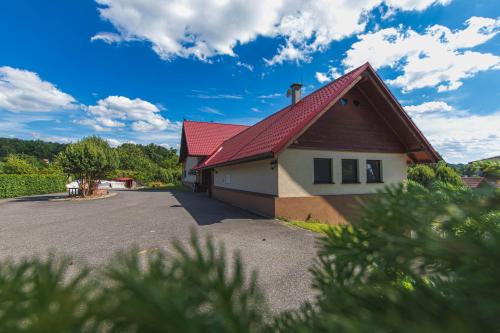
(238,161)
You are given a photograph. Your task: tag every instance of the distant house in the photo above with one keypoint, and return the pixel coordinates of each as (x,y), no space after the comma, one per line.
(475,181)
(315,158)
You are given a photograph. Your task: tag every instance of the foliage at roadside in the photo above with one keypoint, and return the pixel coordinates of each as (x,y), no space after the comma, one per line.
(193,290)
(311,225)
(88,160)
(418,260)
(19,185)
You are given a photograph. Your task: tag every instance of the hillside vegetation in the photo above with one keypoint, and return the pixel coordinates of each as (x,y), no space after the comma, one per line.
(145,163)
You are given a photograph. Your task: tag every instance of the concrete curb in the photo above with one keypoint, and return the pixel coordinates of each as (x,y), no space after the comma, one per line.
(109,195)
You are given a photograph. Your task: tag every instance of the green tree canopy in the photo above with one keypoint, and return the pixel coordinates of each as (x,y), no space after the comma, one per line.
(16,164)
(88,160)
(37,148)
(490,169)
(428,174)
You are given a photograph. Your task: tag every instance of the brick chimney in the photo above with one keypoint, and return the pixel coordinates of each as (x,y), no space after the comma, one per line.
(294,91)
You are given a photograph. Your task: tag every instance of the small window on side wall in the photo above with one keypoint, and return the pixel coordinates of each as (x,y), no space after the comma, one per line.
(323,171)
(373,171)
(350,171)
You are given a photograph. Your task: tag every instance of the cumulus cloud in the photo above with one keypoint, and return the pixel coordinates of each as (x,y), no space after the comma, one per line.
(438,57)
(459,136)
(119,111)
(428,107)
(203,29)
(25,91)
(330,75)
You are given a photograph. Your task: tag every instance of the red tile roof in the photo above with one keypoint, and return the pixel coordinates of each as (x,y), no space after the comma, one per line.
(473,182)
(203,138)
(270,135)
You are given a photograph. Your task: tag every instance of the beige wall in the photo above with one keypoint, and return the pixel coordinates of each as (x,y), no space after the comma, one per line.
(254,176)
(296,172)
(189,163)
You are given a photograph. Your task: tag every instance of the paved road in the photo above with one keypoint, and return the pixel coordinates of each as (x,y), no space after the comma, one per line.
(91,231)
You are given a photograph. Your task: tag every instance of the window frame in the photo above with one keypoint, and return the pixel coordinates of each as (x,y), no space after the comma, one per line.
(330,160)
(380,179)
(356,176)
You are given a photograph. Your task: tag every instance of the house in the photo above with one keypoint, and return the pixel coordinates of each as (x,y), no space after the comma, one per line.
(315,158)
(198,141)
(475,181)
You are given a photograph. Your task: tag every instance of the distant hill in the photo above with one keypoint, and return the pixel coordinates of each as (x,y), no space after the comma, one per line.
(38,148)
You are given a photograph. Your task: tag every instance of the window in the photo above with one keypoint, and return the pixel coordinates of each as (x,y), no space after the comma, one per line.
(350,171)
(323,171)
(373,171)
(343,101)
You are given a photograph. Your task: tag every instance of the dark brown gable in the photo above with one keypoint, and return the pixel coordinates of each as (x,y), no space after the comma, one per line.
(355,126)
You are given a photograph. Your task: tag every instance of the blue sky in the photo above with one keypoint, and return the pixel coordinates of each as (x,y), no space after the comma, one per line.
(132,70)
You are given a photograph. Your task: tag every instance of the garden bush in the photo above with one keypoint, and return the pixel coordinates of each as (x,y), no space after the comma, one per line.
(19,185)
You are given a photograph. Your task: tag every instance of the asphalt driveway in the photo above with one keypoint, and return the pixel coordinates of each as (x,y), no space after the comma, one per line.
(91,231)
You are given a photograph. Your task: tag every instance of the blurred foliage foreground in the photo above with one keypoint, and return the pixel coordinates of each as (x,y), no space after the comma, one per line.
(419,260)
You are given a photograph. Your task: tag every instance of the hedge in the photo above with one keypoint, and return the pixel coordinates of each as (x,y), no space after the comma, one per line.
(19,185)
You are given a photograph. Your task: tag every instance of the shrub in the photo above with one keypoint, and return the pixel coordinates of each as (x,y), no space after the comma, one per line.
(447,174)
(418,260)
(19,185)
(15,164)
(422,174)
(191,290)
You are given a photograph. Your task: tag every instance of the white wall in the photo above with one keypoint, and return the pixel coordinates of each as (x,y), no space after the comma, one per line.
(254,176)
(296,172)
(189,163)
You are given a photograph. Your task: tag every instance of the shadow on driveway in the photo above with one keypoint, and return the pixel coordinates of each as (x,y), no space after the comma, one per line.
(206,211)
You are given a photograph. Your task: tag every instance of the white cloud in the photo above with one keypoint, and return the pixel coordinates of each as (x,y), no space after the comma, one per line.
(207,109)
(330,75)
(245,65)
(217,96)
(458,136)
(203,29)
(428,107)
(438,57)
(25,91)
(118,111)
(271,96)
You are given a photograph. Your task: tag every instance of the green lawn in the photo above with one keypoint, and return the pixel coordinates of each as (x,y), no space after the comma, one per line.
(314,226)
(169,187)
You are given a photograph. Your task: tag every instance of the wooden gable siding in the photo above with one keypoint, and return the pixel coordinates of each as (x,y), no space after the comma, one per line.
(351,128)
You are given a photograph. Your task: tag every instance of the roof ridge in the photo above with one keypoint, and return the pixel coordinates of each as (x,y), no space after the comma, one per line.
(214,123)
